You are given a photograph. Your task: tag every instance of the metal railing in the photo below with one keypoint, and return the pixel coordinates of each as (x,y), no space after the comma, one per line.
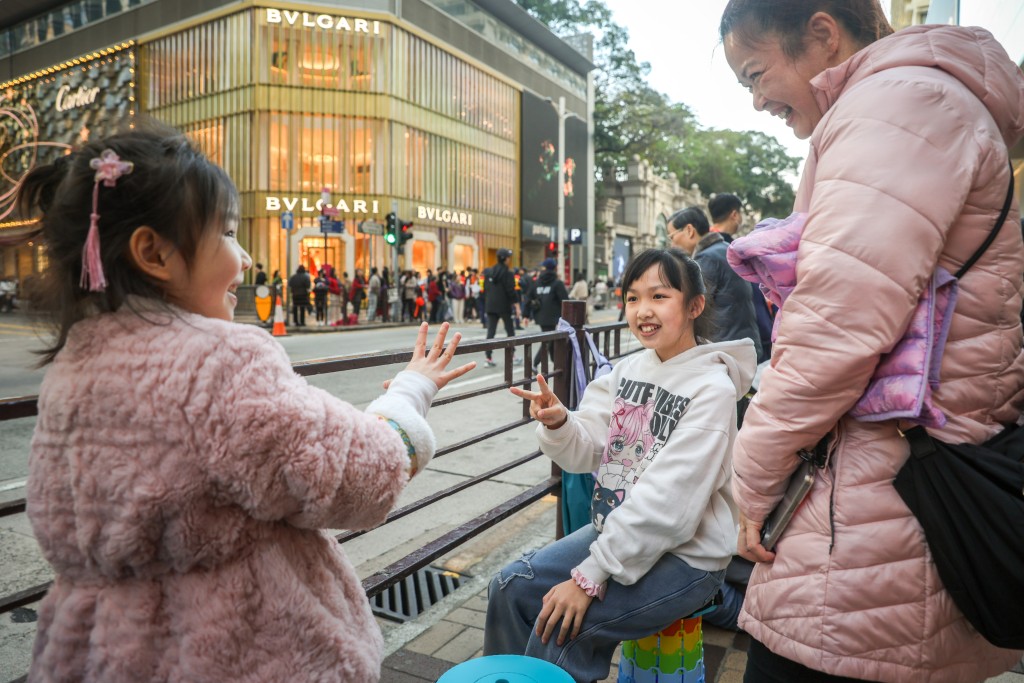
(609,341)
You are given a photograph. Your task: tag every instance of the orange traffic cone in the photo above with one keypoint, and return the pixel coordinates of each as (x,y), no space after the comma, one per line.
(279,330)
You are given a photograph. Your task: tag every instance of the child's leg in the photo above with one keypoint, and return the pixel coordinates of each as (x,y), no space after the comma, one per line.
(514,596)
(670,590)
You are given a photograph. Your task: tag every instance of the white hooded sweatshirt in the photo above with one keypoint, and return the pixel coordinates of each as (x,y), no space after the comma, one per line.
(659,435)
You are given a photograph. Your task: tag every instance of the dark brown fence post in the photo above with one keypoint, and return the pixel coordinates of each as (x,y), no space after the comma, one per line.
(574,313)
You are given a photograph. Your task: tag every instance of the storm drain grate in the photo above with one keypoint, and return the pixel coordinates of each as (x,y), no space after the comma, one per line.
(415,594)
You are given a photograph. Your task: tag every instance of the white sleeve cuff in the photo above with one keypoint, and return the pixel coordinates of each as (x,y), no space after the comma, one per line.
(406,402)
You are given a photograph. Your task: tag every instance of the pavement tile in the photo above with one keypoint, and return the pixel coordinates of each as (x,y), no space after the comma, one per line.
(713,658)
(717,636)
(421,667)
(462,647)
(435,637)
(477,603)
(730,676)
(392,676)
(735,661)
(467,617)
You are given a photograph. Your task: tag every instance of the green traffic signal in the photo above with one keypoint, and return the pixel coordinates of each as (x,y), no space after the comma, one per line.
(391,230)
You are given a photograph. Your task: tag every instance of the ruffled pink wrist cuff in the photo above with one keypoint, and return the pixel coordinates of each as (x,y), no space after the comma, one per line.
(594,590)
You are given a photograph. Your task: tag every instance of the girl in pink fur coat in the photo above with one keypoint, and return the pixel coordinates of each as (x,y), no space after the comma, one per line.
(181,473)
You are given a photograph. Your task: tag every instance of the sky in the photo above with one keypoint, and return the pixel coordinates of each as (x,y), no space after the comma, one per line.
(680,41)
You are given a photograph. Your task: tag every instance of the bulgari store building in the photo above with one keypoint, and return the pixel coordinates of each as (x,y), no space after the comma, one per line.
(363,105)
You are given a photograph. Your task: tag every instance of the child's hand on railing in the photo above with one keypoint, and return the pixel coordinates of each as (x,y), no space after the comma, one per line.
(544,405)
(433,364)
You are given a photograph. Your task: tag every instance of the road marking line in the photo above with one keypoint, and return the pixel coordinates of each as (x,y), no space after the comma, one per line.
(475,380)
(13,485)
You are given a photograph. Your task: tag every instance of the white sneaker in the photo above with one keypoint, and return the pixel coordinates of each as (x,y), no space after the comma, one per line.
(490,363)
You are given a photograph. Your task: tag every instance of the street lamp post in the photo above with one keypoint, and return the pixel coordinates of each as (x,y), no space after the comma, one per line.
(561,186)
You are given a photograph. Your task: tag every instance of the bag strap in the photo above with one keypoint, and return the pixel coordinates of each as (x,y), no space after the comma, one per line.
(921,443)
(995,230)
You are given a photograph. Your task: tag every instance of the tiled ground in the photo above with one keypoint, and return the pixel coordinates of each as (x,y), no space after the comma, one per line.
(459,636)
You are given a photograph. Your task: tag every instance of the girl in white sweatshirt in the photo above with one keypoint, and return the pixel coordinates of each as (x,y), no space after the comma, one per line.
(658,430)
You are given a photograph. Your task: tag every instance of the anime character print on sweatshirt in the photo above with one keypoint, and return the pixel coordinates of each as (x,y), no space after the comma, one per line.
(182,475)
(658,430)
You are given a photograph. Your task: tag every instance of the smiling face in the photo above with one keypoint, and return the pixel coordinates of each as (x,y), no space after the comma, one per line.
(660,316)
(779,84)
(208,287)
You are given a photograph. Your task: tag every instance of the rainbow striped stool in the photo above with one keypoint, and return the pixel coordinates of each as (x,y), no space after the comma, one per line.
(673,655)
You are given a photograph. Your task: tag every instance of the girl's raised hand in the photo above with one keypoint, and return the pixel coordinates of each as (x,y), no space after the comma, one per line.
(544,405)
(434,363)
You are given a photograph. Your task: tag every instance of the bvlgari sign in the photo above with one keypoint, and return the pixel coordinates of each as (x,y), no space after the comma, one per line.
(451,216)
(324,21)
(303,204)
(73,99)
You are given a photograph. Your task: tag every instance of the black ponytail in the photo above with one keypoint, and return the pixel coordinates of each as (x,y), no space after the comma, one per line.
(173,189)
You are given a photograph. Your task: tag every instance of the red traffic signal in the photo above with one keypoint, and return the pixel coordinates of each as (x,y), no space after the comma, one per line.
(404,232)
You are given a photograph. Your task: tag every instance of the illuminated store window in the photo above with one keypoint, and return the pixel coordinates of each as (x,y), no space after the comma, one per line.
(318,59)
(209,136)
(424,256)
(306,152)
(463,257)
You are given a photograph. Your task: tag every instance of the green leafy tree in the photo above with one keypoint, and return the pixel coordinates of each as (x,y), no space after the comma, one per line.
(631,118)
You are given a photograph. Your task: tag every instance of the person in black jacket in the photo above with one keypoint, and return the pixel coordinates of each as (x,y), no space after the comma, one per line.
(546,297)
(299,284)
(689,230)
(500,298)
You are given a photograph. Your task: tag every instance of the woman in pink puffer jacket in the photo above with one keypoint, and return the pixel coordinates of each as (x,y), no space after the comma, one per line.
(907,171)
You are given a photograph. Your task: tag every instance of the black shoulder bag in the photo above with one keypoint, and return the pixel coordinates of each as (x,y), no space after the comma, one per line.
(970,501)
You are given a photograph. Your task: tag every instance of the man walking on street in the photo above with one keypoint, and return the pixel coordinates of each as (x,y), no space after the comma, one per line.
(501,300)
(546,297)
(299,284)
(373,289)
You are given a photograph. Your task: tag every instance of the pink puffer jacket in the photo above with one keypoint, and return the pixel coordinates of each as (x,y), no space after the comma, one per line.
(180,480)
(901,386)
(907,171)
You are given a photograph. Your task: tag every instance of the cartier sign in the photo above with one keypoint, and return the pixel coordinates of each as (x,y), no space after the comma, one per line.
(66,99)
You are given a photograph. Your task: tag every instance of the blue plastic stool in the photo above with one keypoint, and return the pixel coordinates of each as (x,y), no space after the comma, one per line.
(505,669)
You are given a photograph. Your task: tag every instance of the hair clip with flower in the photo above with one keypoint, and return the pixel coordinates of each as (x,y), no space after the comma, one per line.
(109,168)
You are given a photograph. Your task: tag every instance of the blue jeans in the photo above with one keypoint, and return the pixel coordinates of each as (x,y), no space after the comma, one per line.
(670,590)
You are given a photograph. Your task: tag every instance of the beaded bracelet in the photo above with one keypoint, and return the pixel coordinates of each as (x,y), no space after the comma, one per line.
(410,449)
(594,590)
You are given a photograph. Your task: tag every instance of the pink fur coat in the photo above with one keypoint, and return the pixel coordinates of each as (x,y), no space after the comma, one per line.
(181,476)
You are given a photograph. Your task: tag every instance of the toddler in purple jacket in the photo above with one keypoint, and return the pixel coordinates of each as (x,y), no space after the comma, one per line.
(181,474)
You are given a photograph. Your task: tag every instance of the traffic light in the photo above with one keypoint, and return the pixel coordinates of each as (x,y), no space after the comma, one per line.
(552,250)
(391,230)
(405,233)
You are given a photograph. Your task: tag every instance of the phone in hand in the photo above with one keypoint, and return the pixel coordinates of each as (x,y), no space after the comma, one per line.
(799,486)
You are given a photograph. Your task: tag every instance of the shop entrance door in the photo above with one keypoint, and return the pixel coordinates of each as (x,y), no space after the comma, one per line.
(313,256)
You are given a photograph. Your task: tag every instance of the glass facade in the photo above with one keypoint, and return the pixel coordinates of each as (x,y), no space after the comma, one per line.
(61,21)
(293,102)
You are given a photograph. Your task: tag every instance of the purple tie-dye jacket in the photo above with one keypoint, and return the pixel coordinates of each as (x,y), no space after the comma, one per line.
(901,386)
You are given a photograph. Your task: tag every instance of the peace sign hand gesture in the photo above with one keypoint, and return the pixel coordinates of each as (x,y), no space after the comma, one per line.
(544,405)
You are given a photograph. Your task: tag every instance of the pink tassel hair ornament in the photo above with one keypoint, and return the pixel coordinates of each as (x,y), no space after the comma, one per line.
(109,168)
